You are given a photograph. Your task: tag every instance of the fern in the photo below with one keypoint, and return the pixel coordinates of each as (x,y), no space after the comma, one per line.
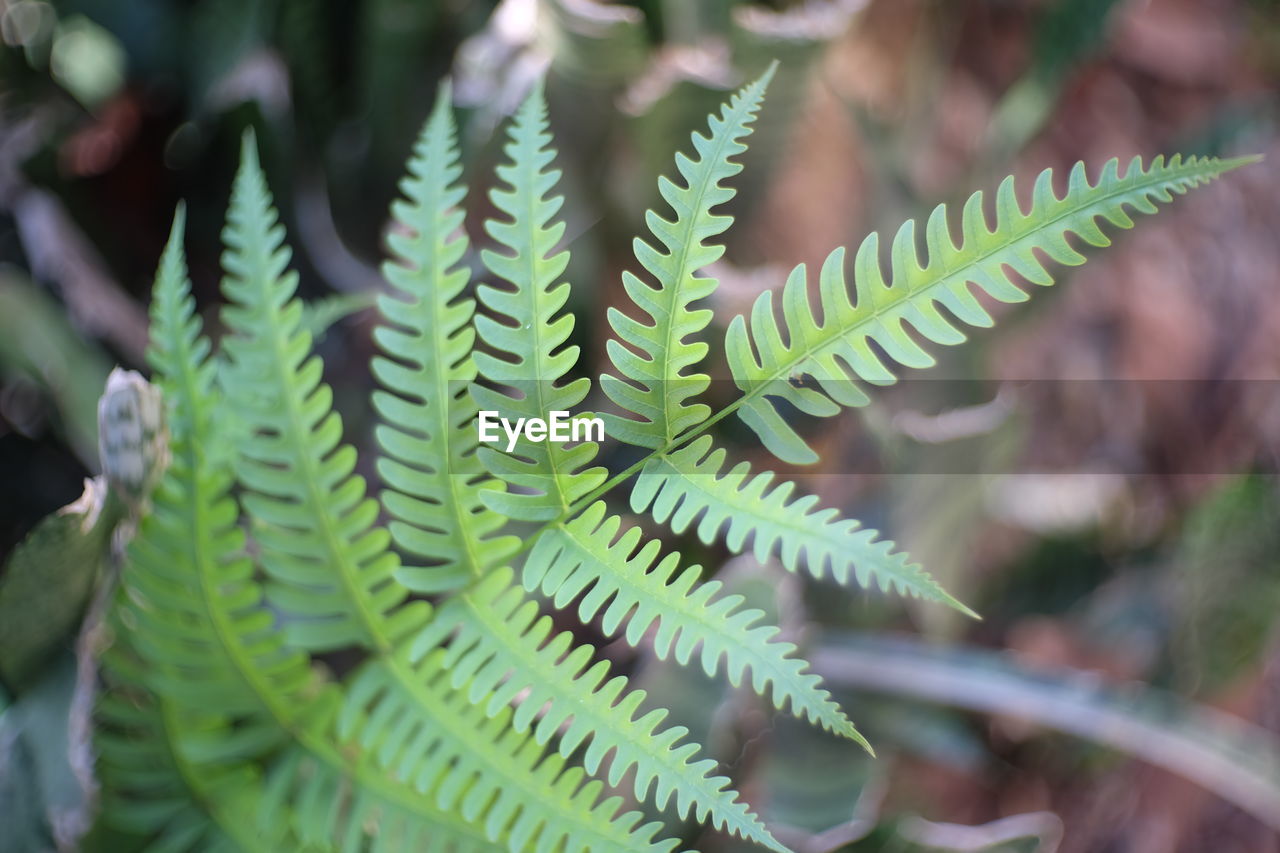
(428,437)
(835,350)
(331,567)
(335,578)
(690,485)
(469,722)
(497,649)
(154,790)
(652,357)
(528,332)
(228,692)
(625,583)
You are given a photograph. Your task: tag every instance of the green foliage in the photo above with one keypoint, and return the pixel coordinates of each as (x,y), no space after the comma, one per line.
(836,349)
(428,463)
(528,333)
(689,485)
(468,722)
(47,582)
(653,383)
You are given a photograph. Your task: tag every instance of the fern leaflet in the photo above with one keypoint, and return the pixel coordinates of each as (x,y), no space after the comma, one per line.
(689,486)
(625,583)
(530,337)
(495,777)
(836,349)
(151,790)
(502,650)
(331,567)
(427,433)
(651,356)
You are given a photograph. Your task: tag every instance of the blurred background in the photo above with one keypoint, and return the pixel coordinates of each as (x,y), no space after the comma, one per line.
(1097,476)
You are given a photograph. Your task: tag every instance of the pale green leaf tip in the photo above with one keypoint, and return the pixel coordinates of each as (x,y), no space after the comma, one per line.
(963,608)
(1245,160)
(850,732)
(765,838)
(537,97)
(767,76)
(179,227)
(249,149)
(177,231)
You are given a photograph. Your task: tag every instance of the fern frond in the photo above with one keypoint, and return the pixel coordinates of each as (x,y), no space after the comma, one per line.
(530,330)
(336,814)
(197,615)
(690,486)
(176,351)
(497,650)
(314,527)
(652,354)
(212,650)
(151,790)
(765,356)
(428,434)
(615,577)
(502,650)
(481,769)
(310,509)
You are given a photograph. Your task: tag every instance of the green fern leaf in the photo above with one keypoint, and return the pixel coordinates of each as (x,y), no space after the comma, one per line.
(196,613)
(361,820)
(313,519)
(836,350)
(151,790)
(335,579)
(428,433)
(497,650)
(652,354)
(529,332)
(691,486)
(501,649)
(480,768)
(471,724)
(632,590)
